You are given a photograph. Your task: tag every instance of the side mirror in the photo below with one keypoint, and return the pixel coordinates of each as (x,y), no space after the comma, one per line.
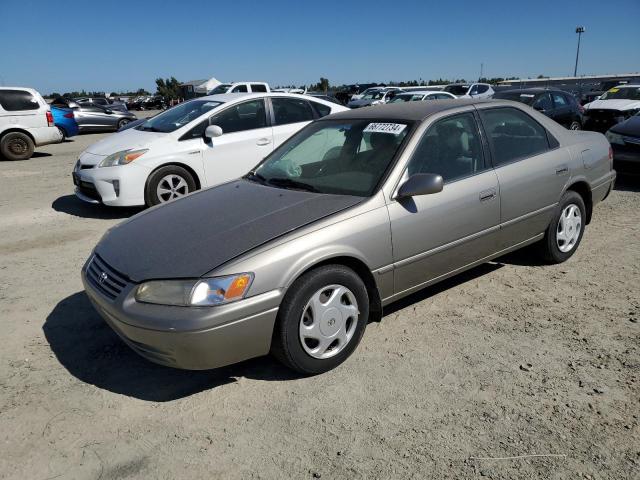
(421,184)
(213,131)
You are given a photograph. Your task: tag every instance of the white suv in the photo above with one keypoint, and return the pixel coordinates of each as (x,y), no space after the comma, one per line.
(241,87)
(470,90)
(25,123)
(196,144)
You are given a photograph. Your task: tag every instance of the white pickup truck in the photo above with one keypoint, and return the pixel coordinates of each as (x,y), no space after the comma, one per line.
(241,87)
(26,122)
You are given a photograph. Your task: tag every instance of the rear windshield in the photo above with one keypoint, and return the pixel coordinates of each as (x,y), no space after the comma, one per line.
(622,93)
(178,116)
(457,89)
(222,88)
(17,100)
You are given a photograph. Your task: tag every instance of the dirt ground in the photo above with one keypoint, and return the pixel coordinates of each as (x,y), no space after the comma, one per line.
(510,371)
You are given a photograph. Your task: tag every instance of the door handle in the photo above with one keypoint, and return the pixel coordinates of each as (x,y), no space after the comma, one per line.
(263,141)
(486,195)
(562,169)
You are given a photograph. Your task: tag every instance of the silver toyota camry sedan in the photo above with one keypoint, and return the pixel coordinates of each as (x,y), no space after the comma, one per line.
(355,211)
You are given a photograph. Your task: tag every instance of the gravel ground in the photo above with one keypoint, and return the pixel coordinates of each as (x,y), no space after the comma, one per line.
(512,370)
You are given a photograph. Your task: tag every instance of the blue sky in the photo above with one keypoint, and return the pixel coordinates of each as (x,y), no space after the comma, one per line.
(112,45)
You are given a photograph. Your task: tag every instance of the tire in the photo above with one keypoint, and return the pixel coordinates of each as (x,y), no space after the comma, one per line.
(296,318)
(64,134)
(563,237)
(575,125)
(16,146)
(176,180)
(122,123)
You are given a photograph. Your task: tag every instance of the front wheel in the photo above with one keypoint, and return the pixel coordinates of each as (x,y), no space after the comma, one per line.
(168,183)
(16,146)
(565,230)
(122,123)
(321,320)
(575,126)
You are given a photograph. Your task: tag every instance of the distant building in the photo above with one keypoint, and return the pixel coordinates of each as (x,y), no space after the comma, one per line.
(198,88)
(575,85)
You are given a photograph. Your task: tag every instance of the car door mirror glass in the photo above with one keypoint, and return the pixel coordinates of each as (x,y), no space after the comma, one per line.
(421,184)
(213,131)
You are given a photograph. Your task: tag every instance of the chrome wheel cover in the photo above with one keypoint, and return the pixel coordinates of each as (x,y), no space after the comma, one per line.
(170,187)
(329,321)
(569,228)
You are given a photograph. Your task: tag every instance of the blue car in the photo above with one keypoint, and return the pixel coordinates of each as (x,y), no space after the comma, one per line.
(63,119)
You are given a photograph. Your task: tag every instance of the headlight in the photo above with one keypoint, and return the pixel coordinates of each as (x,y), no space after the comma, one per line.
(122,158)
(614,138)
(199,293)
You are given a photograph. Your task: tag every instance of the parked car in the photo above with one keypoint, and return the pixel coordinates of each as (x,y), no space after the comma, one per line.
(196,144)
(357,210)
(355,91)
(556,104)
(156,102)
(102,102)
(26,122)
(470,90)
(625,142)
(93,118)
(64,120)
(240,87)
(323,96)
(614,106)
(375,97)
(417,96)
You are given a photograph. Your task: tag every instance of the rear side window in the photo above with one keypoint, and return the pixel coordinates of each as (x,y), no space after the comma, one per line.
(291,110)
(239,89)
(17,100)
(513,134)
(257,87)
(543,103)
(482,88)
(241,117)
(322,109)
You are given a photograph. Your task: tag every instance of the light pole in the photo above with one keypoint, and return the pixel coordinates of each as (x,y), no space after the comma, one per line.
(579,31)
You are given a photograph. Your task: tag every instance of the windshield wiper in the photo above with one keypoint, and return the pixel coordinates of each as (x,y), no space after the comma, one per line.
(252,176)
(288,182)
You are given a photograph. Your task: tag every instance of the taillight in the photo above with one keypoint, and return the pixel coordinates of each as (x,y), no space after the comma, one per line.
(68,115)
(610,156)
(49,118)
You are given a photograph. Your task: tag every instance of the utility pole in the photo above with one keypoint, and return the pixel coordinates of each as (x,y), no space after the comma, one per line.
(579,31)
(481,70)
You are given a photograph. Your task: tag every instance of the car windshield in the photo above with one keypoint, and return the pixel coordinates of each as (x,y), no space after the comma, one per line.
(457,89)
(222,88)
(403,98)
(622,93)
(375,95)
(526,98)
(178,116)
(346,157)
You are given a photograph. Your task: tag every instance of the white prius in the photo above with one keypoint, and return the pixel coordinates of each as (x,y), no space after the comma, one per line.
(197,144)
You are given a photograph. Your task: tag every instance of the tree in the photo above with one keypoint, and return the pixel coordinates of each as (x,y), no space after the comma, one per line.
(168,88)
(322,85)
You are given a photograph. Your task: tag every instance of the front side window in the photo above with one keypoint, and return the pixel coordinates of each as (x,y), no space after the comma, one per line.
(457,89)
(543,103)
(178,116)
(348,157)
(291,110)
(17,100)
(450,148)
(559,100)
(513,134)
(240,89)
(241,117)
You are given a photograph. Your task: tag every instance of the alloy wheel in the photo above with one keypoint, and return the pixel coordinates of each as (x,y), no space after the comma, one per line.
(328,321)
(170,187)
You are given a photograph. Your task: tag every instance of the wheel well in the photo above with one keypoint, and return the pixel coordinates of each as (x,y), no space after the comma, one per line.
(582,189)
(358,266)
(181,165)
(18,130)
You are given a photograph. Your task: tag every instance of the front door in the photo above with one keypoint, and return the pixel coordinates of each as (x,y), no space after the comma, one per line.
(246,139)
(289,116)
(437,234)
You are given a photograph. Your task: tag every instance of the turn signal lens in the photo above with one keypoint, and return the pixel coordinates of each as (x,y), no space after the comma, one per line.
(219,290)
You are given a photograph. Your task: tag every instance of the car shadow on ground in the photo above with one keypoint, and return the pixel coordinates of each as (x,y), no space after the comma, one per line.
(72,205)
(627,183)
(92,352)
(40,154)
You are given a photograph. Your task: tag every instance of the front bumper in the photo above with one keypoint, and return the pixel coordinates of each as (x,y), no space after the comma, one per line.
(121,186)
(193,338)
(626,158)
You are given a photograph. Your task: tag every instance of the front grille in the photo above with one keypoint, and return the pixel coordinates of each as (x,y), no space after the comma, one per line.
(104,278)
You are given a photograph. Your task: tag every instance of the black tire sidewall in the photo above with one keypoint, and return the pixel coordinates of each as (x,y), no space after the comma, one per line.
(552,252)
(576,129)
(150,195)
(287,338)
(122,123)
(6,140)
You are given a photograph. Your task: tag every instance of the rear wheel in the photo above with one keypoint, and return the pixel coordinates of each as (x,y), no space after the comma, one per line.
(123,122)
(63,133)
(575,126)
(565,230)
(16,146)
(321,320)
(168,183)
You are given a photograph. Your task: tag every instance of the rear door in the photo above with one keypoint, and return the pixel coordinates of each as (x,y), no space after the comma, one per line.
(93,117)
(289,115)
(532,170)
(246,139)
(22,108)
(562,109)
(436,234)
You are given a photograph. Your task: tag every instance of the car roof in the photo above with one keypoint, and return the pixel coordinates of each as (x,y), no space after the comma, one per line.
(232,97)
(531,90)
(410,111)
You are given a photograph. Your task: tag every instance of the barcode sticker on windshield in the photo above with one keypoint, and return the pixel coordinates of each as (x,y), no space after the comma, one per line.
(394,128)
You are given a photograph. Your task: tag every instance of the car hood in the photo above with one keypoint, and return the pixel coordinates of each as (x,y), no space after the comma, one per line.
(130,139)
(188,238)
(613,105)
(630,127)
